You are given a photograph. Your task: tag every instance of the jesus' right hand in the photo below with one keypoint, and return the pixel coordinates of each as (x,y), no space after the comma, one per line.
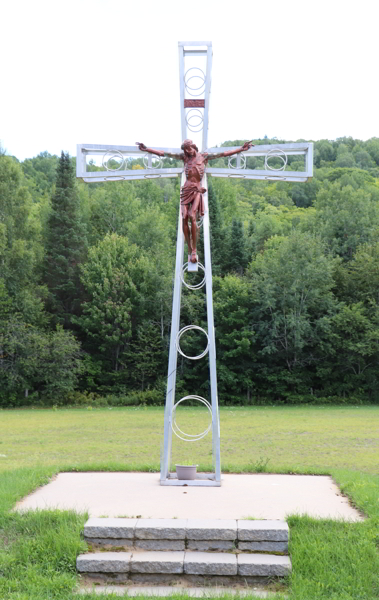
(141,146)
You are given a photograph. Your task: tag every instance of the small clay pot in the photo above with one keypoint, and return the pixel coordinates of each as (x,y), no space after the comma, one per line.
(186,471)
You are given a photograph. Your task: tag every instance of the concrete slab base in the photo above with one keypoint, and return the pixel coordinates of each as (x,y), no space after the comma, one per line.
(262,496)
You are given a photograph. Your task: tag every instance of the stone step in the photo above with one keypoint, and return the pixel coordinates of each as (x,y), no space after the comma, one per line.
(138,566)
(218,535)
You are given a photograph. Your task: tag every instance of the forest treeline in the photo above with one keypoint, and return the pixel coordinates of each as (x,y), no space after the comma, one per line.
(86,280)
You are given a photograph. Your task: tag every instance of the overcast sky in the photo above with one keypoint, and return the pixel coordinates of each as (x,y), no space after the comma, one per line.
(106,71)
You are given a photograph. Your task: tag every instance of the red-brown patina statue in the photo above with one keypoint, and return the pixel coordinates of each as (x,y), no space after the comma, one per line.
(191,194)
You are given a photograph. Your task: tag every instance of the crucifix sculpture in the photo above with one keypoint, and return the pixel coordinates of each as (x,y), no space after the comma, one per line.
(270,164)
(191,194)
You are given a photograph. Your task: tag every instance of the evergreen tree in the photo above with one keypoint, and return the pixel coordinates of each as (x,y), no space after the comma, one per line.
(216,230)
(235,259)
(65,245)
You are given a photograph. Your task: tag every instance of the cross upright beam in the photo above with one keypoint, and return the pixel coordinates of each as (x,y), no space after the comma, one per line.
(199,71)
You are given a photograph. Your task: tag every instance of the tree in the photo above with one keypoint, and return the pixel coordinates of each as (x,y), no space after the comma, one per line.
(346,218)
(15,201)
(234,336)
(119,284)
(36,361)
(363,275)
(372,146)
(291,286)
(20,244)
(40,173)
(345,160)
(266,224)
(151,232)
(65,245)
(324,152)
(305,194)
(351,365)
(235,257)
(217,234)
(146,356)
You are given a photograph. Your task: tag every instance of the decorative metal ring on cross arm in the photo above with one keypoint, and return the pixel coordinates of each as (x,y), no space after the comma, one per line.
(237,176)
(145,161)
(190,88)
(276,178)
(241,166)
(197,114)
(276,153)
(188,328)
(113,155)
(198,286)
(152,176)
(189,437)
(118,178)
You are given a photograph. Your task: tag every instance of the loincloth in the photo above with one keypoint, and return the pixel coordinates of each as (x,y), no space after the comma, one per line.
(188,195)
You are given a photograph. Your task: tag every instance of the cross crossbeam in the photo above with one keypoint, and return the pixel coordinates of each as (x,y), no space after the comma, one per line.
(267,152)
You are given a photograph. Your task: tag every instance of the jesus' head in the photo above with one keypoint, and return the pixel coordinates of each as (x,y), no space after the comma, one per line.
(189,147)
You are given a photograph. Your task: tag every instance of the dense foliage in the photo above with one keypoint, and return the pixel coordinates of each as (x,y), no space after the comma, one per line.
(86,284)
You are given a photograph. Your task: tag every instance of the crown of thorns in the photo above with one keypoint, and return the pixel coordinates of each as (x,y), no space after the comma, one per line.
(189,143)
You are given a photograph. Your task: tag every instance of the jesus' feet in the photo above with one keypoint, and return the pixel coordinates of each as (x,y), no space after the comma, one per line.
(193,256)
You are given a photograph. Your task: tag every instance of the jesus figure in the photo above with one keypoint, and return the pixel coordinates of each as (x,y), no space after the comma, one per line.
(191,194)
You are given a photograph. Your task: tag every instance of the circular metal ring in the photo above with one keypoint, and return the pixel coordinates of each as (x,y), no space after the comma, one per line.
(146,165)
(195,89)
(276,178)
(237,176)
(119,178)
(197,114)
(202,76)
(188,328)
(175,427)
(198,286)
(276,153)
(190,128)
(191,90)
(243,162)
(113,154)
(152,176)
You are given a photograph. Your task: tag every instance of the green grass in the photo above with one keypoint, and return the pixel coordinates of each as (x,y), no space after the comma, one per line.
(331,560)
(290,439)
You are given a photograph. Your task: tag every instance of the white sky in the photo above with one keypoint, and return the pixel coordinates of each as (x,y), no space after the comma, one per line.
(106,71)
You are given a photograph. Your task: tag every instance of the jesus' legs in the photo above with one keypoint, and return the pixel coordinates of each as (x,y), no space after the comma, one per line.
(194,239)
(194,209)
(186,232)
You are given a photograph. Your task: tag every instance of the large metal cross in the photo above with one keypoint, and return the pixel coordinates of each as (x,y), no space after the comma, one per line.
(195,65)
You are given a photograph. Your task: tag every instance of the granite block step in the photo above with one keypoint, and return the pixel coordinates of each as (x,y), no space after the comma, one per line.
(218,535)
(208,563)
(118,528)
(128,566)
(263,565)
(160,529)
(104,562)
(262,531)
(157,562)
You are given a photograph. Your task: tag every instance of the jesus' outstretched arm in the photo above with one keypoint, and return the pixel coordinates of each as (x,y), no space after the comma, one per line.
(243,148)
(159,152)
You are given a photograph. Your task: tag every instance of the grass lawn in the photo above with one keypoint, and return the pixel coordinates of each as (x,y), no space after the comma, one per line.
(331,560)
